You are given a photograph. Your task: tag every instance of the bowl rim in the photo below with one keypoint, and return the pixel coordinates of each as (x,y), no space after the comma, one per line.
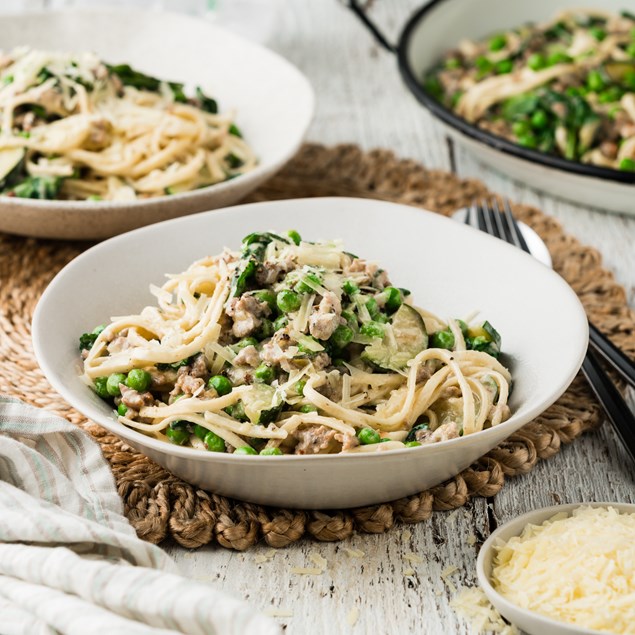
(500,144)
(199,193)
(518,524)
(132,435)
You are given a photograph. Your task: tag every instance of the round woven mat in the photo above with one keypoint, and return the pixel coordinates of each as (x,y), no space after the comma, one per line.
(159,505)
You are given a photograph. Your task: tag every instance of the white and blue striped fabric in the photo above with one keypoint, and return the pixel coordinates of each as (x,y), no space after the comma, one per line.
(70,563)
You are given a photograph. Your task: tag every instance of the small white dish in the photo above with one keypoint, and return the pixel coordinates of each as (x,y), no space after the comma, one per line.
(529,621)
(272,100)
(451,270)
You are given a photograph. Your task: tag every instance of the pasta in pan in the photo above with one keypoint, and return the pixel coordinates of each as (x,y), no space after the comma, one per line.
(294,347)
(74,127)
(565,88)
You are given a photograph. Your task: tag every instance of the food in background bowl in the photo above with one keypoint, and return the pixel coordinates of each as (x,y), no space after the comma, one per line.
(295,347)
(75,127)
(565,88)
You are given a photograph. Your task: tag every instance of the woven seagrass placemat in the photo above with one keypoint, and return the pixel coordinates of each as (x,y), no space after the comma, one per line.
(159,504)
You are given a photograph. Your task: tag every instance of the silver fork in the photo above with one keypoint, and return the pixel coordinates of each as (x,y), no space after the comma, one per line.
(488,217)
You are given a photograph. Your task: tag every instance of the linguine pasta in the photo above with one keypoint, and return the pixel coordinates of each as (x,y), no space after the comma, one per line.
(295,347)
(74,127)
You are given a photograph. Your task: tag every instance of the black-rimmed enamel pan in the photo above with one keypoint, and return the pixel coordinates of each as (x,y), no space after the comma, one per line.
(439,26)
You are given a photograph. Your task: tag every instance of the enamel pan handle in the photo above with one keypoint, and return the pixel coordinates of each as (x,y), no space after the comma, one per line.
(360,12)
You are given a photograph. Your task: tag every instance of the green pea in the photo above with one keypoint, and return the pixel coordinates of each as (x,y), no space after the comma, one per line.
(220,384)
(412,444)
(368,436)
(527,141)
(271,452)
(122,409)
(100,386)
(280,323)
(349,287)
(539,120)
(112,385)
(306,408)
(483,64)
(393,299)
(245,449)
(536,61)
(520,128)
(294,236)
(498,42)
(372,329)
(200,431)
(139,379)
(304,287)
(594,81)
(557,58)
(288,301)
(264,374)
(266,329)
(264,295)
(504,66)
(442,339)
(342,336)
(598,33)
(630,49)
(628,165)
(299,387)
(244,343)
(177,433)
(213,442)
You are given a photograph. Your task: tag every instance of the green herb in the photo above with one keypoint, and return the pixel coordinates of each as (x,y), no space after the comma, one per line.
(207,103)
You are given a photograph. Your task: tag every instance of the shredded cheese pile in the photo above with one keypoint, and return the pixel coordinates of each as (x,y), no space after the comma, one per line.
(579,569)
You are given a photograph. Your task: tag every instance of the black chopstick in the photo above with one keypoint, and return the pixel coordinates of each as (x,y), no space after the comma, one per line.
(615,407)
(613,355)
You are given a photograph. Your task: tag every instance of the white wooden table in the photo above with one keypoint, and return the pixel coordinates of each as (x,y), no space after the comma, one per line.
(361,99)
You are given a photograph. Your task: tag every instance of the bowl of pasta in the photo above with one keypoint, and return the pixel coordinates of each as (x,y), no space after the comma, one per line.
(317,361)
(542,91)
(150,116)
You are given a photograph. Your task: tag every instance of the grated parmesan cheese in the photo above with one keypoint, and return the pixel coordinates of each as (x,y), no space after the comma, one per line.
(409,571)
(307,570)
(278,612)
(353,616)
(354,553)
(413,557)
(473,606)
(445,575)
(579,569)
(318,560)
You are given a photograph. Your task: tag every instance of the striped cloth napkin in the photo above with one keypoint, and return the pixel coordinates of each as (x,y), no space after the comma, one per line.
(66,550)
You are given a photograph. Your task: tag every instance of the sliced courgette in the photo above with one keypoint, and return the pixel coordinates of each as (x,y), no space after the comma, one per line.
(262,403)
(619,71)
(408,338)
(10,162)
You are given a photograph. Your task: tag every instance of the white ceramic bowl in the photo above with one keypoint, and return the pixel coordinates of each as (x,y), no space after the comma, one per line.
(437,28)
(273,102)
(529,621)
(450,268)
